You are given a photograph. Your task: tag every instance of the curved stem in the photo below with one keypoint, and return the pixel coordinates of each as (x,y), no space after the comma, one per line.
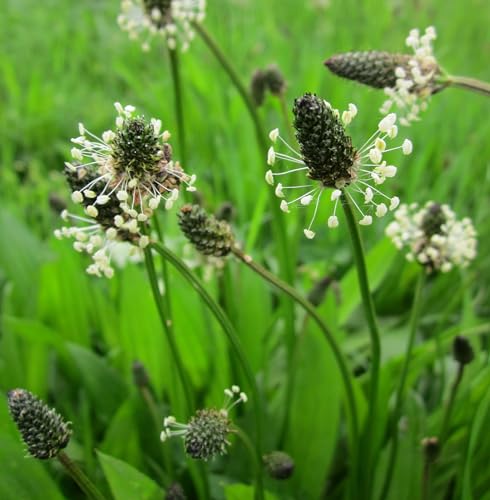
(450,404)
(230,70)
(469,84)
(179,109)
(250,448)
(285,117)
(167,328)
(282,246)
(310,309)
(233,338)
(369,311)
(80,478)
(414,321)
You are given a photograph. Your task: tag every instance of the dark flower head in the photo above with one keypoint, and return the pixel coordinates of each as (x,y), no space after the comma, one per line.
(328,157)
(206,434)
(209,235)
(44,431)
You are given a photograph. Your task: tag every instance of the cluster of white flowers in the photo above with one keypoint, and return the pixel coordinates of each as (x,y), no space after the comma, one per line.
(433,236)
(416,82)
(169,19)
(119,179)
(368,171)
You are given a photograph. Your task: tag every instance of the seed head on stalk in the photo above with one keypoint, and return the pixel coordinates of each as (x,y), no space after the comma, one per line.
(329,159)
(119,179)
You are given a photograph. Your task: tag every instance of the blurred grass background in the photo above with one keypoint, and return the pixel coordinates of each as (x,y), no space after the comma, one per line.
(72,339)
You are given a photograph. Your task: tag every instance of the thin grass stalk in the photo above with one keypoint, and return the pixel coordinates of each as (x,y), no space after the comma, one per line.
(79,477)
(369,311)
(414,322)
(450,404)
(234,340)
(337,352)
(178,102)
(198,474)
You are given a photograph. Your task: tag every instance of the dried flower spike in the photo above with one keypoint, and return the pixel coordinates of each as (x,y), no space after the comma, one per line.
(209,235)
(119,179)
(433,236)
(328,157)
(279,465)
(408,80)
(169,19)
(205,435)
(44,432)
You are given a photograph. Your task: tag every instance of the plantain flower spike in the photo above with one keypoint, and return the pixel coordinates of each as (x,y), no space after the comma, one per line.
(332,164)
(44,431)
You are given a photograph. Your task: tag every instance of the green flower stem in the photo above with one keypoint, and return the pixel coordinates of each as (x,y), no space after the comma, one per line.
(179,110)
(426,480)
(167,328)
(80,478)
(152,408)
(286,262)
(285,117)
(286,266)
(234,340)
(310,309)
(367,300)
(469,84)
(414,322)
(450,404)
(197,473)
(250,448)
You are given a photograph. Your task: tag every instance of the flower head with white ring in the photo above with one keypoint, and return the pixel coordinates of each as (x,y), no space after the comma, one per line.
(206,434)
(329,159)
(119,179)
(433,236)
(168,19)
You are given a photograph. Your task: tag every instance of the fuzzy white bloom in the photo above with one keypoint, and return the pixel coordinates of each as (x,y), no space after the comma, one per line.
(366,173)
(119,179)
(415,83)
(433,236)
(168,19)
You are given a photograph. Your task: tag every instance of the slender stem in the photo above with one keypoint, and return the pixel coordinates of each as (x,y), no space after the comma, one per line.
(250,448)
(310,309)
(469,84)
(286,266)
(233,338)
(414,321)
(150,266)
(234,77)
(80,478)
(179,109)
(285,117)
(369,311)
(426,480)
(450,404)
(152,408)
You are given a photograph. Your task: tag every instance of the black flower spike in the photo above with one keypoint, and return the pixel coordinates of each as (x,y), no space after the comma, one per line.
(326,149)
(374,68)
(43,430)
(462,350)
(279,465)
(209,235)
